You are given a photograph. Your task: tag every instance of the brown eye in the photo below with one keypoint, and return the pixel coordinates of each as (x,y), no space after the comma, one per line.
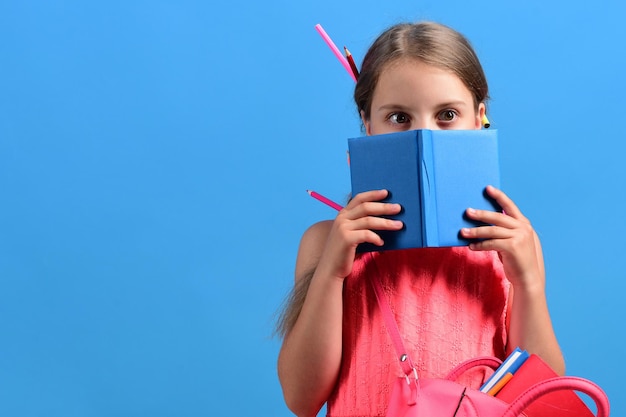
(399,118)
(447,115)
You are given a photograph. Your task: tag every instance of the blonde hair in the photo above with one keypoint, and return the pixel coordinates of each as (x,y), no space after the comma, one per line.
(293,305)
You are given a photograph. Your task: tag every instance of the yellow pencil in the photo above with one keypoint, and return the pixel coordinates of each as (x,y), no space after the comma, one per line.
(485,121)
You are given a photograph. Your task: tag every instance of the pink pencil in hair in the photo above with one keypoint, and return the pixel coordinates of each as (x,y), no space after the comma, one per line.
(335,50)
(324,200)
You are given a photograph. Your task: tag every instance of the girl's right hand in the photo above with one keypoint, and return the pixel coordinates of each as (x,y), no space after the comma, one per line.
(356,223)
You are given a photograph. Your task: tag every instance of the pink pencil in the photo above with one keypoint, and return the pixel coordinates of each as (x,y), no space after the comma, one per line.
(335,50)
(324,200)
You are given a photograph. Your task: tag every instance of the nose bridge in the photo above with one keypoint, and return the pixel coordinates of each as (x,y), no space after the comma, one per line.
(423,122)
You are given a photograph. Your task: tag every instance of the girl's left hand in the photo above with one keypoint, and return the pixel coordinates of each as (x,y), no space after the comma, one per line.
(512,236)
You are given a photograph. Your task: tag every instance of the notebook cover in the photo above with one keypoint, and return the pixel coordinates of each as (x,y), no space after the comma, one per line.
(390,161)
(464,162)
(565,403)
(434,174)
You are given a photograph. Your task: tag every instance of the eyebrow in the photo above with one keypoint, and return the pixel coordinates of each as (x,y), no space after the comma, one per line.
(455,103)
(392,107)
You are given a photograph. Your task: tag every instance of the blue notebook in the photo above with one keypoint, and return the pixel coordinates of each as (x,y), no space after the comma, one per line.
(435,175)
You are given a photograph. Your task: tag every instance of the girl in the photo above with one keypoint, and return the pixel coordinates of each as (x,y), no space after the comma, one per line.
(451,304)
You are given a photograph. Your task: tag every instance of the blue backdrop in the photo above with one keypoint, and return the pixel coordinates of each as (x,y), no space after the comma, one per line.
(154,157)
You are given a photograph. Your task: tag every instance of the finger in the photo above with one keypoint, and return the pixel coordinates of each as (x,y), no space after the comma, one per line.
(368,203)
(374,209)
(507,205)
(373,195)
(486,232)
(376,223)
(365,236)
(363,229)
(492,218)
(485,245)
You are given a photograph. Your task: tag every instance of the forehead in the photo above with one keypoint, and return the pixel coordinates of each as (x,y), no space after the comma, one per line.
(412,80)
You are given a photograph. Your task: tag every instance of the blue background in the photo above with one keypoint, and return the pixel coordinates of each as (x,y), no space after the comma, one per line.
(154,157)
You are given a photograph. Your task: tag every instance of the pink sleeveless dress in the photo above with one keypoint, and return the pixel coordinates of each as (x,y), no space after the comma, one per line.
(450,305)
